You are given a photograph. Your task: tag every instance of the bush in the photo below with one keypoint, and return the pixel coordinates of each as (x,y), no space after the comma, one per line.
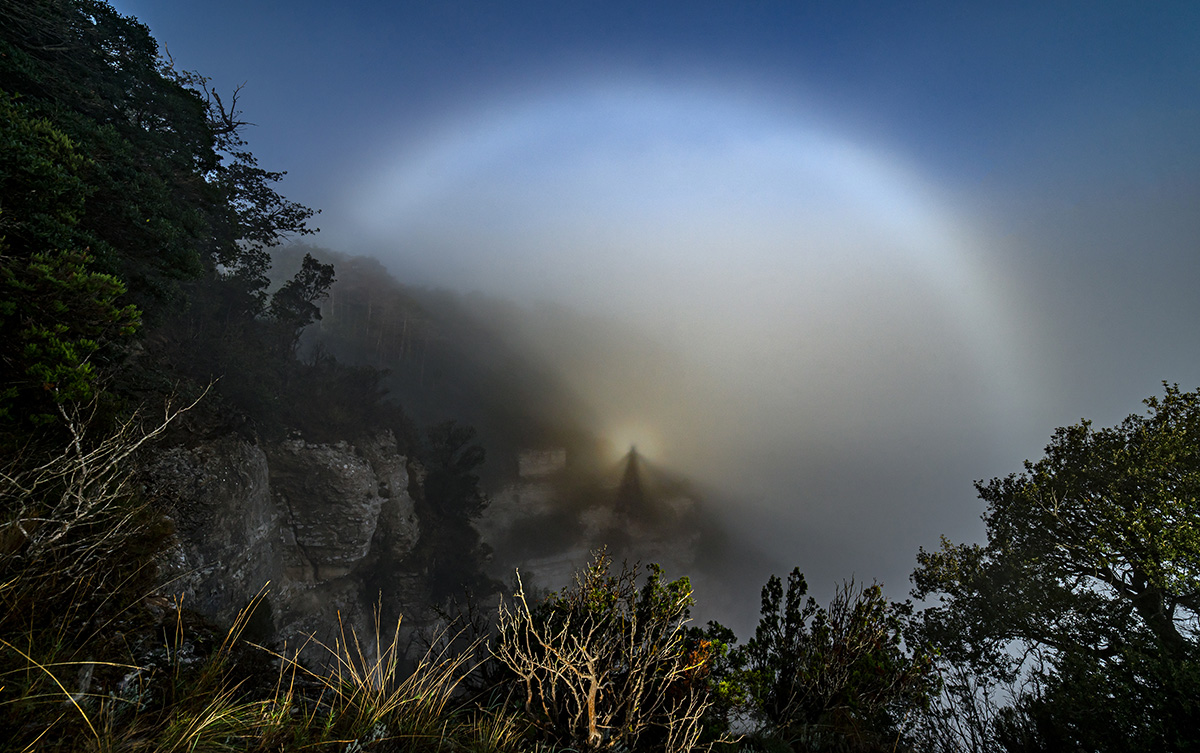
(835,678)
(70,524)
(602,665)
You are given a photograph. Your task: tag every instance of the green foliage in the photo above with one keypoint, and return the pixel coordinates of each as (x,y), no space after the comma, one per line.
(173,188)
(450,499)
(1089,585)
(127,194)
(55,315)
(263,216)
(96,75)
(836,677)
(327,401)
(56,310)
(451,460)
(166,218)
(720,666)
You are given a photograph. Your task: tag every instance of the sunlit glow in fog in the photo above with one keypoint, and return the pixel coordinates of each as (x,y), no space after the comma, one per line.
(628,435)
(804,310)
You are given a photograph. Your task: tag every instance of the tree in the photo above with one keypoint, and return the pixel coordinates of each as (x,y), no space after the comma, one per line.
(1088,588)
(294,306)
(452,459)
(150,208)
(604,665)
(127,196)
(837,677)
(56,310)
(173,191)
(450,498)
(720,668)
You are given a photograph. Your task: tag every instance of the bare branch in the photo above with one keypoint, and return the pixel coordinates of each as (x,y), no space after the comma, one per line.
(600,665)
(68,515)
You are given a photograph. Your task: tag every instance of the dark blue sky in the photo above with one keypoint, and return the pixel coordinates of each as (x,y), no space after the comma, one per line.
(897,243)
(1011,91)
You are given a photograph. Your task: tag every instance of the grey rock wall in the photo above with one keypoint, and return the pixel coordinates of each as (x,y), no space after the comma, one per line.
(332,532)
(329,496)
(227,525)
(307,522)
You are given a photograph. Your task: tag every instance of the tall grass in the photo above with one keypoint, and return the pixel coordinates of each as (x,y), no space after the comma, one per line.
(360,702)
(363,699)
(91,658)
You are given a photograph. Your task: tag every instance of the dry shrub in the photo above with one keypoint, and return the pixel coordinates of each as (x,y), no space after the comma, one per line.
(603,665)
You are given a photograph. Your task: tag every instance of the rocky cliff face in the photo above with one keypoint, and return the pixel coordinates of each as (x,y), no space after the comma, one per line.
(333,534)
(310,523)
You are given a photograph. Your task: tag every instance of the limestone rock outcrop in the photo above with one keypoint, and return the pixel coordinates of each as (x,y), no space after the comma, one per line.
(331,501)
(227,525)
(307,522)
(333,534)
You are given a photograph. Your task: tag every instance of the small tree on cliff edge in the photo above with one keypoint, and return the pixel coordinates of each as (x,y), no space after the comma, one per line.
(835,678)
(295,305)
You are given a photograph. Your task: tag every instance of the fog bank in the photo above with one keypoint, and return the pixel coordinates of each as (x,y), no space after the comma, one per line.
(792,318)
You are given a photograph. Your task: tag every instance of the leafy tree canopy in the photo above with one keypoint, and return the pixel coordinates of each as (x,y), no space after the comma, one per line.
(1088,585)
(123,182)
(55,308)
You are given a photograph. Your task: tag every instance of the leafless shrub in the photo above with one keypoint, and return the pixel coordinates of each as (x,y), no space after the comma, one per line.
(601,666)
(67,519)
(962,717)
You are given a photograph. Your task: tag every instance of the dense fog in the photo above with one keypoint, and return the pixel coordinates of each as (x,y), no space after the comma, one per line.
(833,266)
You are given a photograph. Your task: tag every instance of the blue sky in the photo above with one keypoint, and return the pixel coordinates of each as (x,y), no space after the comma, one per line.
(972,89)
(895,243)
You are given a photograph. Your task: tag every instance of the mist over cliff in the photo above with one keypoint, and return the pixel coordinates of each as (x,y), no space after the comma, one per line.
(874,252)
(783,468)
